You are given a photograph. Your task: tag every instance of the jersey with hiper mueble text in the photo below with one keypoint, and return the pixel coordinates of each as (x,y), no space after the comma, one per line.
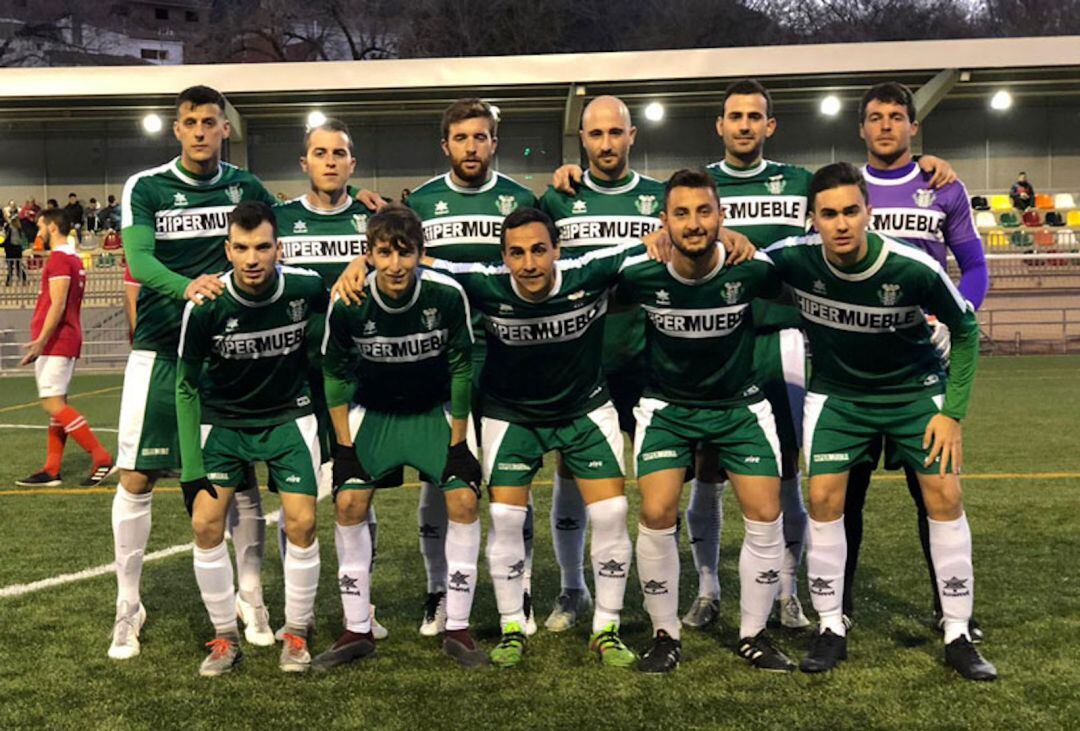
(324,241)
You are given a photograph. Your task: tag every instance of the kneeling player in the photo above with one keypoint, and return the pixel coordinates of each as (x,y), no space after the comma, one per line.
(250,406)
(700,391)
(877,375)
(409,344)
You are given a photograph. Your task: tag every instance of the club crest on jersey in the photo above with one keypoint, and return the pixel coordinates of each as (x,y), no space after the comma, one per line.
(231,324)
(775,184)
(297,310)
(819,286)
(889,294)
(645,204)
(299,227)
(505,308)
(179,199)
(662,297)
(359,222)
(369,328)
(924,197)
(576,295)
(732,292)
(579,207)
(441,208)
(506,204)
(234,193)
(430,318)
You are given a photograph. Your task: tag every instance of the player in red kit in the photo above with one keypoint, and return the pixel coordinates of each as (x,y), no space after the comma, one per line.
(56,333)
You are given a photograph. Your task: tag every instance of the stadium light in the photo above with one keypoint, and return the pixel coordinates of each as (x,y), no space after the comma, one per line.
(315,119)
(1001,100)
(830,105)
(152,124)
(654,112)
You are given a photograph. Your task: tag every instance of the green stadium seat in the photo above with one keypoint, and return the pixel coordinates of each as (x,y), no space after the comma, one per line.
(1021,239)
(1009,219)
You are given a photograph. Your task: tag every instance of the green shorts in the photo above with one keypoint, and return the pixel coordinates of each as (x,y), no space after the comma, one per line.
(780,370)
(290,450)
(386,442)
(147,438)
(744,437)
(840,434)
(591,447)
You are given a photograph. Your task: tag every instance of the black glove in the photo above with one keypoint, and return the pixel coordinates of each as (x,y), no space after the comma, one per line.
(346,466)
(191,490)
(461,463)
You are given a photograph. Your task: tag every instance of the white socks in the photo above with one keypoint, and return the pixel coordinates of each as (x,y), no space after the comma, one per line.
(131,530)
(759,573)
(431,516)
(506,560)
(568,521)
(301,583)
(214,575)
(704,521)
(795,517)
(527,537)
(950,548)
(353,544)
(825,558)
(658,572)
(462,552)
(246,524)
(611,552)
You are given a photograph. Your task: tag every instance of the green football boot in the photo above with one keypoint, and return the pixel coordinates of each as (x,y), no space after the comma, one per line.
(511,648)
(609,649)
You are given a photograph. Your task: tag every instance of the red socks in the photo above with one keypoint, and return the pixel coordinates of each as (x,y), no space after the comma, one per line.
(75,425)
(55,450)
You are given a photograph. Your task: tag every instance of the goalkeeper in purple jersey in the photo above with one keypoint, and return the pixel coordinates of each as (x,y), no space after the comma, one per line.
(938,221)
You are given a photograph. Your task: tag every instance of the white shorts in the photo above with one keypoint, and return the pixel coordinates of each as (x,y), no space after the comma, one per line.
(53,375)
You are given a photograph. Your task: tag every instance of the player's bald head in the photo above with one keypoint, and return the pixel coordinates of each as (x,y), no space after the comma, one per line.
(605,107)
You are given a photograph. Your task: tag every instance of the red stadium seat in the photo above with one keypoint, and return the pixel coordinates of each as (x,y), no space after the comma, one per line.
(1032,219)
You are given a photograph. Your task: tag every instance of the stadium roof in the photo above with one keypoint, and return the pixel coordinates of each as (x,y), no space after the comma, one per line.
(796,74)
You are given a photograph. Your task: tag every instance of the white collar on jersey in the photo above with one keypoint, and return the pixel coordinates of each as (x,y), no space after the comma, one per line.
(871,178)
(747,173)
(554,288)
(382,303)
(65,248)
(712,273)
(179,172)
(228,279)
(864,274)
(592,184)
(325,211)
(488,185)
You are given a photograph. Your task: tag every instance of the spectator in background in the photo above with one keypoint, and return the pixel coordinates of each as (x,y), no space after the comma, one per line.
(51,204)
(13,249)
(93,216)
(110,214)
(11,212)
(1021,192)
(75,215)
(405,193)
(28,216)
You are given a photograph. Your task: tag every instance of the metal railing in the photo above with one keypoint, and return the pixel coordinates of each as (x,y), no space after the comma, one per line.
(1030,330)
(104,288)
(104,349)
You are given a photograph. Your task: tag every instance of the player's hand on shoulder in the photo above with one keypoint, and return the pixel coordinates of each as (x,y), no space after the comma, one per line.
(566,179)
(658,245)
(941,172)
(737,246)
(943,438)
(349,287)
(204,287)
(371,199)
(462,464)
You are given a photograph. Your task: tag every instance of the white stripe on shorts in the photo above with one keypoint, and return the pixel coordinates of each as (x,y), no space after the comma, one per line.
(815,403)
(133,399)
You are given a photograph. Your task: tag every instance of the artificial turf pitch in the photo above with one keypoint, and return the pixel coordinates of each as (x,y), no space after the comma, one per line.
(1022,470)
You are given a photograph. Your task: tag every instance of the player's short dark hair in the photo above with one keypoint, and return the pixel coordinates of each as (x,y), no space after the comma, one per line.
(891,92)
(196,96)
(687,178)
(835,175)
(58,216)
(398,226)
(748,86)
(523,217)
(470,108)
(331,124)
(249,215)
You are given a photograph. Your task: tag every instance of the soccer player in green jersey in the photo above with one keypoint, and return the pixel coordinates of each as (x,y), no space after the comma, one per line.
(543,389)
(248,405)
(701,390)
(877,374)
(175,219)
(612,205)
(398,381)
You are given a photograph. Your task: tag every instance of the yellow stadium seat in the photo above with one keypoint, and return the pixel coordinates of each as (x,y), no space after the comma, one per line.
(996,239)
(1073,220)
(1000,203)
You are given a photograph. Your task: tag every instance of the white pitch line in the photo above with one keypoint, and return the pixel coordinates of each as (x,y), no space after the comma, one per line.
(43,426)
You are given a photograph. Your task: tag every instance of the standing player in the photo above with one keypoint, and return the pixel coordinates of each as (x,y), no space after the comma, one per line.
(543,389)
(878,375)
(937,222)
(612,205)
(249,406)
(700,391)
(56,332)
(174,223)
(403,357)
(462,213)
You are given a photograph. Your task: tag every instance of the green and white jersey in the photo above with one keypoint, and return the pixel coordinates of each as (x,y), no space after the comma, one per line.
(608,214)
(543,360)
(400,354)
(765,203)
(463,224)
(699,336)
(868,335)
(189,218)
(323,241)
(254,349)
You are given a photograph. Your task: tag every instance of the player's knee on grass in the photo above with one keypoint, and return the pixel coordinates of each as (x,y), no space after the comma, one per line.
(299,512)
(759,497)
(826,496)
(351,506)
(461,505)
(208,519)
(943,496)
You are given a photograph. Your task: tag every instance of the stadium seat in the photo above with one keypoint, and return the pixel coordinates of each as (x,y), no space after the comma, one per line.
(112,242)
(1074,219)
(997,239)
(1009,219)
(979,203)
(1021,239)
(1054,218)
(1044,239)
(1066,240)
(1064,201)
(34,262)
(1044,201)
(1032,219)
(1000,203)
(985,219)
